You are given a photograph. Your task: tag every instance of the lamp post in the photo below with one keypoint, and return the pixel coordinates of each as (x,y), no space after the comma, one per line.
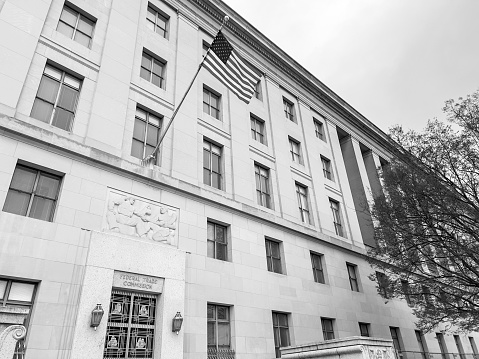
(177,321)
(96,315)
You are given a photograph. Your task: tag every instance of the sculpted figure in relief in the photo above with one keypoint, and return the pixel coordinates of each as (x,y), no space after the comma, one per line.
(129,216)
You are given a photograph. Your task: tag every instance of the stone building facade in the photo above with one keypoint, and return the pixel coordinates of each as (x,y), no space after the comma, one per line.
(250,223)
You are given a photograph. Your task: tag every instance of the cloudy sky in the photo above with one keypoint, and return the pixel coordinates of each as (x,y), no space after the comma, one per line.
(395,61)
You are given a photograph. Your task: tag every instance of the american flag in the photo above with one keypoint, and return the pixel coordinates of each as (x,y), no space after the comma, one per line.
(223,62)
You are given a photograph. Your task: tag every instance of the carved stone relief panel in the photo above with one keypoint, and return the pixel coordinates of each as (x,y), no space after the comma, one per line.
(139,217)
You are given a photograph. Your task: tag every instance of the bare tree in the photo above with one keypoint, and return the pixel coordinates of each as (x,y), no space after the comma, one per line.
(427,228)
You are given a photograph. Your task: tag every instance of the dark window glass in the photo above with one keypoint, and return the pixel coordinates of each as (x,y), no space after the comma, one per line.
(152,70)
(353,279)
(302,196)
(257,130)
(289,110)
(364,329)
(56,98)
(420,342)
(338,226)
(219,336)
(319,129)
(317,264)
(156,21)
(32,193)
(263,193)
(217,241)
(327,168)
(396,337)
(382,283)
(212,173)
(211,104)
(146,134)
(257,91)
(281,332)
(76,26)
(295,150)
(273,256)
(328,331)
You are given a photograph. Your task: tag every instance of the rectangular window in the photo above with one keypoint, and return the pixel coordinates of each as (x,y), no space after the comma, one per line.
(364,329)
(57,98)
(281,332)
(406,291)
(353,279)
(146,134)
(327,168)
(32,193)
(473,346)
(153,70)
(317,264)
(289,110)
(217,241)
(338,226)
(211,103)
(205,47)
(257,129)
(420,342)
(273,256)
(257,91)
(157,21)
(76,26)
(219,335)
(263,192)
(442,345)
(328,328)
(212,165)
(318,129)
(295,150)
(302,194)
(130,331)
(396,337)
(382,283)
(459,347)
(16,292)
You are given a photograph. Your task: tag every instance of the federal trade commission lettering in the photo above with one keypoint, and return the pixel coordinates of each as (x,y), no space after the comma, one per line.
(137,281)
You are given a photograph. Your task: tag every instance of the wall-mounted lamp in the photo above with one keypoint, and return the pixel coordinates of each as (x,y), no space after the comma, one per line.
(96,315)
(177,321)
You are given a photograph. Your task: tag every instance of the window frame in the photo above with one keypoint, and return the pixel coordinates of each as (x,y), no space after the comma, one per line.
(295,151)
(258,92)
(219,154)
(319,129)
(56,106)
(32,195)
(274,263)
(263,196)
(212,94)
(303,203)
(327,168)
(4,301)
(154,61)
(318,272)
(147,124)
(165,33)
(396,337)
(289,111)
(364,329)
(327,332)
(337,220)
(215,242)
(422,345)
(352,270)
(80,15)
(258,132)
(216,322)
(277,327)
(381,278)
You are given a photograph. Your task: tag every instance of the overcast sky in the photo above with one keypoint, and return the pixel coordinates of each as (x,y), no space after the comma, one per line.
(395,61)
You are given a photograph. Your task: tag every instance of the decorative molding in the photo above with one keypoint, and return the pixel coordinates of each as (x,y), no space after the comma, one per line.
(214,129)
(261,153)
(140,90)
(139,217)
(301,173)
(9,338)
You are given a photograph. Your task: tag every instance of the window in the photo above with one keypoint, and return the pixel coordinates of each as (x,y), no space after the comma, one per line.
(57,98)
(406,291)
(205,47)
(318,129)
(76,26)
(146,134)
(396,337)
(16,292)
(364,329)
(263,192)
(317,264)
(289,110)
(473,346)
(327,168)
(295,149)
(459,347)
(257,91)
(157,21)
(353,279)
(420,342)
(281,332)
(217,241)
(382,284)
(130,330)
(211,103)
(257,129)
(218,327)
(442,345)
(212,164)
(152,70)
(302,194)
(32,193)
(328,331)
(273,256)
(338,227)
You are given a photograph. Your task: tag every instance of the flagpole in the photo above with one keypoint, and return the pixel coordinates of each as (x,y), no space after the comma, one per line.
(151,156)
